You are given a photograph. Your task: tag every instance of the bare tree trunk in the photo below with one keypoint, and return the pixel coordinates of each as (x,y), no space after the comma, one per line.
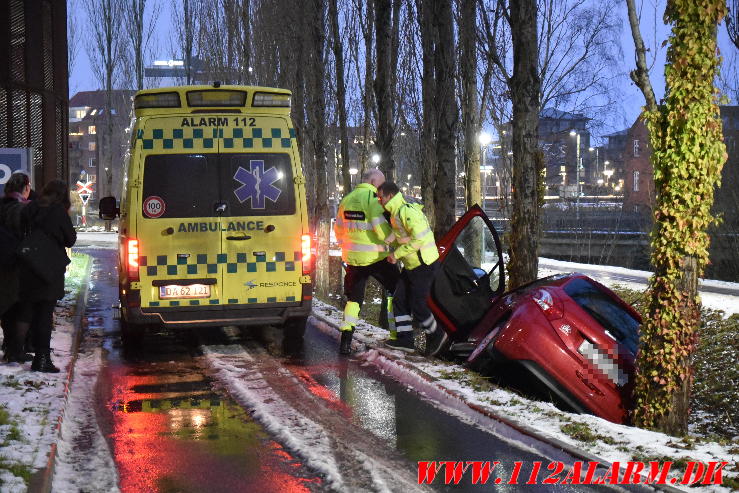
(383,97)
(448,116)
(425,12)
(525,94)
(367,100)
(340,93)
(318,99)
(246,42)
(470,107)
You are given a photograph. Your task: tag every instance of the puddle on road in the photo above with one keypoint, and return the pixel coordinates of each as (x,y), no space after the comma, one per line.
(173,433)
(169,429)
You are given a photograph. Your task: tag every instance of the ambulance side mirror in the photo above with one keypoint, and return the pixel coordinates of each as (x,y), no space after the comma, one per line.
(108,208)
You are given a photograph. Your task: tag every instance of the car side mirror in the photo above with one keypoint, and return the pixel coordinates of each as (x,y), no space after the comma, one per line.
(108,208)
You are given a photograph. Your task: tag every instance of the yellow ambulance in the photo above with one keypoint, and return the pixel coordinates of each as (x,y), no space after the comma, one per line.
(213,222)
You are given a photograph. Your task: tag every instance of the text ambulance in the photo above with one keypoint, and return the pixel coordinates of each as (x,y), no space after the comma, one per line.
(213,221)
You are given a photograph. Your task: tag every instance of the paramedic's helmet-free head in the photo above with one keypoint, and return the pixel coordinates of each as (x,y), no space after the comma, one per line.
(213,219)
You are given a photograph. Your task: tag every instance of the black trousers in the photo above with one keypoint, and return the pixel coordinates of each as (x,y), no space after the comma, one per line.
(410,296)
(40,314)
(356,277)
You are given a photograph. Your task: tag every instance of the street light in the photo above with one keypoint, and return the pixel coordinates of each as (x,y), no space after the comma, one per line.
(352,172)
(577,173)
(375,158)
(597,170)
(485,139)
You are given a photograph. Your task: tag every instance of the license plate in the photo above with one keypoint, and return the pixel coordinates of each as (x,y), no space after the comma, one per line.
(171,291)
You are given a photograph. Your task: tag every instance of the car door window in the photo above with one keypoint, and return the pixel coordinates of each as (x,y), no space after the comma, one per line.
(477,246)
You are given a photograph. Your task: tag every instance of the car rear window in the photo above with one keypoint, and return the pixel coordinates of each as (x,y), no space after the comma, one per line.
(605,310)
(194,185)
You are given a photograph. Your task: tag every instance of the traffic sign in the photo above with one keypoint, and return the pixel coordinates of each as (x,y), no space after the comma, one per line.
(84,197)
(84,188)
(154,207)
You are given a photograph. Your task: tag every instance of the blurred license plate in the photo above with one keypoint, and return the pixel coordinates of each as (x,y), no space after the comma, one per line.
(179,292)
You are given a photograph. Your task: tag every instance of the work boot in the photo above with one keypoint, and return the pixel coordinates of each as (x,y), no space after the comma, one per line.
(42,362)
(15,351)
(436,341)
(392,335)
(345,347)
(404,341)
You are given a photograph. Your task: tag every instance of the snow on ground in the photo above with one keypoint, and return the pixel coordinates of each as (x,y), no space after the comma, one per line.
(323,449)
(83,456)
(612,442)
(34,402)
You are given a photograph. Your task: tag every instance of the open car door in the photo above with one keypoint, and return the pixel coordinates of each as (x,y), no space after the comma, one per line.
(470,275)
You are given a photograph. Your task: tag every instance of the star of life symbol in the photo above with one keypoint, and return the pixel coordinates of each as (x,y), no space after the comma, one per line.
(251,284)
(257,184)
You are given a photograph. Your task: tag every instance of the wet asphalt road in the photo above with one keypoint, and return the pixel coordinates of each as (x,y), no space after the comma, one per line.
(173,427)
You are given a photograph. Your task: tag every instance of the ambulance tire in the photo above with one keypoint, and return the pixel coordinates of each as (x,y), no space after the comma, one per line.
(131,335)
(292,336)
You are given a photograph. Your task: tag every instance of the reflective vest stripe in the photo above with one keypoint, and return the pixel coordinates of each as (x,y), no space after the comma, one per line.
(358,225)
(350,319)
(358,247)
(378,220)
(403,318)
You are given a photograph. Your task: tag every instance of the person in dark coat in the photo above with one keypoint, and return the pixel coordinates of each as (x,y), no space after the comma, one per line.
(50,213)
(12,204)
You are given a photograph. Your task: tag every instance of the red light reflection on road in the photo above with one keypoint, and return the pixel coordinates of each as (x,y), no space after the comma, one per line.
(177,435)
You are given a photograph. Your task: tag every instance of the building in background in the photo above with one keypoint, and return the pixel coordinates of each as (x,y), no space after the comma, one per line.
(33,83)
(87,137)
(640,193)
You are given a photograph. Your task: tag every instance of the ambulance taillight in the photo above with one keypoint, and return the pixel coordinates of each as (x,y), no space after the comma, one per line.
(307,258)
(132,253)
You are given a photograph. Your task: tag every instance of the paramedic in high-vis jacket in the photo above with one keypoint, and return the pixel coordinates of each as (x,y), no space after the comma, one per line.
(361,229)
(416,249)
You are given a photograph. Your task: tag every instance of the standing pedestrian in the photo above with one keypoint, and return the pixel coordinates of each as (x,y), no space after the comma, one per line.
(418,253)
(361,229)
(50,214)
(11,207)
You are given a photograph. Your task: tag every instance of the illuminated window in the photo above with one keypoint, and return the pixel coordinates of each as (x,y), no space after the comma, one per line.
(91,146)
(91,130)
(636,181)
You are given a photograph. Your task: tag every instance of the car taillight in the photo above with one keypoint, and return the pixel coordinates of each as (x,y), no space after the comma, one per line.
(552,308)
(132,252)
(603,362)
(307,254)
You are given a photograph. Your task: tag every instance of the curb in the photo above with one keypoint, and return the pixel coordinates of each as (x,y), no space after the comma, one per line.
(528,431)
(41,481)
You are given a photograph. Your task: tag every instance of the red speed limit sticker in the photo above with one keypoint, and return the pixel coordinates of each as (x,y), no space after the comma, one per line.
(154,206)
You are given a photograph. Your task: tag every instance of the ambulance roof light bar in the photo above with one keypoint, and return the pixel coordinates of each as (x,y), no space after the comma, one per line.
(271,99)
(157,100)
(220,98)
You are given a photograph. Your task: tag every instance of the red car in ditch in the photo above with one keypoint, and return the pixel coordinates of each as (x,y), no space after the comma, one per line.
(565,337)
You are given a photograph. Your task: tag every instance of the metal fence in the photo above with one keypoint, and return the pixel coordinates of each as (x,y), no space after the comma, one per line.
(34,83)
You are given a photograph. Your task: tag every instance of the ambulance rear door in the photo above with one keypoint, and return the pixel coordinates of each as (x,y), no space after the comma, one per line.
(263,220)
(179,223)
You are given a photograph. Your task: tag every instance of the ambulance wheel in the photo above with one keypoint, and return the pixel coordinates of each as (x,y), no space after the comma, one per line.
(131,335)
(292,336)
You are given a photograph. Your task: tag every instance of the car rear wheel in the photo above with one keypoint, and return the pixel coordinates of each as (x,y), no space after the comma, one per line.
(131,335)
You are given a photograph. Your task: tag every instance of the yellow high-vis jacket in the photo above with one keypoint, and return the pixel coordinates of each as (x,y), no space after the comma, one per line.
(361,228)
(412,233)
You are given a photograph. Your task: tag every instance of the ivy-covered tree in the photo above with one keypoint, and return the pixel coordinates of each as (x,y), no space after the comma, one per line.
(687,155)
